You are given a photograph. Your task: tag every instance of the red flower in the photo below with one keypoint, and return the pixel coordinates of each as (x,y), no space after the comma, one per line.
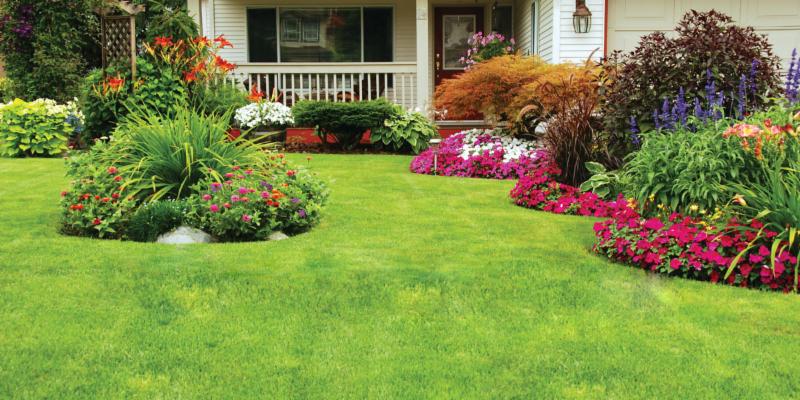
(112,170)
(190,76)
(202,41)
(223,64)
(163,41)
(117,178)
(223,43)
(115,196)
(97,221)
(290,173)
(64,193)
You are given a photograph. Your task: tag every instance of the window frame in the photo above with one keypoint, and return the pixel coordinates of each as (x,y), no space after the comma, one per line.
(278,23)
(513,22)
(534,48)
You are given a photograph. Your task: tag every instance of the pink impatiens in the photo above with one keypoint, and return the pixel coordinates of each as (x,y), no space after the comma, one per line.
(478,154)
(690,248)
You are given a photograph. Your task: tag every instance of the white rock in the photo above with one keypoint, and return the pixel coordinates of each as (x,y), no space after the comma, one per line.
(184,235)
(278,236)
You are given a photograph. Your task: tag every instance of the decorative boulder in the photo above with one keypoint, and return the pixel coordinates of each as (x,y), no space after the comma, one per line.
(184,235)
(278,236)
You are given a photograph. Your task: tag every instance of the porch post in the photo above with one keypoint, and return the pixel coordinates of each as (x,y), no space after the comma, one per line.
(423,56)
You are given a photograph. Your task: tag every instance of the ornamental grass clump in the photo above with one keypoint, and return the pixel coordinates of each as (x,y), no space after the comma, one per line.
(164,157)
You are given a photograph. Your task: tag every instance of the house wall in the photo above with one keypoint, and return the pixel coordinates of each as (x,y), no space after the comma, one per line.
(524,25)
(577,47)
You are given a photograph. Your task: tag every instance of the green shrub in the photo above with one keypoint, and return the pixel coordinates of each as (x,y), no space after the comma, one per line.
(103,102)
(38,128)
(685,170)
(251,204)
(6,93)
(48,45)
(218,99)
(97,203)
(154,219)
(345,121)
(405,131)
(166,156)
(660,66)
(166,18)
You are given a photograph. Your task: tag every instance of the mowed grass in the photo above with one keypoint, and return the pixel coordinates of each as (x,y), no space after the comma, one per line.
(412,287)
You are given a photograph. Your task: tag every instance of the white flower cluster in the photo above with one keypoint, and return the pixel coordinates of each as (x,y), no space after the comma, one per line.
(263,114)
(512,148)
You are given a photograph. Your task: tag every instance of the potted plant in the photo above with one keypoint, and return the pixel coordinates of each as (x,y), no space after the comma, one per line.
(264,118)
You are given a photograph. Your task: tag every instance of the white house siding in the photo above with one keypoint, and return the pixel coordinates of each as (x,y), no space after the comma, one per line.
(577,47)
(546,29)
(522,25)
(230,19)
(630,19)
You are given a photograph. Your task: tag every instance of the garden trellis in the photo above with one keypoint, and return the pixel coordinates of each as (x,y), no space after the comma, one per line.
(118,35)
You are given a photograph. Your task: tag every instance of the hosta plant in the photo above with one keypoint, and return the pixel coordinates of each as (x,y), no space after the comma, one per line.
(406,130)
(37,128)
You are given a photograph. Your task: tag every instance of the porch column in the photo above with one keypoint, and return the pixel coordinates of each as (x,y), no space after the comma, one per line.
(193,7)
(423,56)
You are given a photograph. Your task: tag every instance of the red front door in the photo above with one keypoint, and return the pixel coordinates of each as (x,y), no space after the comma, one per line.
(453,27)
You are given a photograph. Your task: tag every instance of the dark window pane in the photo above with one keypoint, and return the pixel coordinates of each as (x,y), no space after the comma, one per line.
(262,35)
(503,21)
(378,40)
(320,35)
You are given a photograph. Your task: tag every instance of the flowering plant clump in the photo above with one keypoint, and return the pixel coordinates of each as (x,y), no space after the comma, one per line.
(735,254)
(484,47)
(539,190)
(96,204)
(250,205)
(481,154)
(40,127)
(263,114)
(196,60)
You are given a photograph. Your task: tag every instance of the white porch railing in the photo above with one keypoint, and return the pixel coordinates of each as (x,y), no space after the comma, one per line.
(397,82)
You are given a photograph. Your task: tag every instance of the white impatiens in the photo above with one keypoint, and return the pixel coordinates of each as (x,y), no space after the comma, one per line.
(264,115)
(478,141)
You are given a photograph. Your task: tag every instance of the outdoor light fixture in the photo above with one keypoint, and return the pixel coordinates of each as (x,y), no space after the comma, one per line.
(582,17)
(435,146)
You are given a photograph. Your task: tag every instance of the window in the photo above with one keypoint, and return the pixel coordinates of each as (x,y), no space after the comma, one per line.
(262,36)
(503,21)
(330,34)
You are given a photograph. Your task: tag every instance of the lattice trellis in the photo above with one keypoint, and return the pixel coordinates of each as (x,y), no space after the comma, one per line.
(119,41)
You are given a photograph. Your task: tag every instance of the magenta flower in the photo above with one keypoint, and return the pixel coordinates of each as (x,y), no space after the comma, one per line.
(246,218)
(235,198)
(206,197)
(243,190)
(213,208)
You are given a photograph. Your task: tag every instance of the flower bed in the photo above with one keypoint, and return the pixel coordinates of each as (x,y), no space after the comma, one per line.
(479,153)
(538,190)
(693,249)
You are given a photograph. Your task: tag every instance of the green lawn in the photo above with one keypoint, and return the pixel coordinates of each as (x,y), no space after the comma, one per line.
(412,287)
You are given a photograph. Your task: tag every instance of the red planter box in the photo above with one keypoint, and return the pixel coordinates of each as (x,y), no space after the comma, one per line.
(307,136)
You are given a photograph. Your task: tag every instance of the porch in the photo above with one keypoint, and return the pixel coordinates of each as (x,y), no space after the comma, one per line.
(395,49)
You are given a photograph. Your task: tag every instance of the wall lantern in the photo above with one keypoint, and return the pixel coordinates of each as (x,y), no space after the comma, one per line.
(582,17)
